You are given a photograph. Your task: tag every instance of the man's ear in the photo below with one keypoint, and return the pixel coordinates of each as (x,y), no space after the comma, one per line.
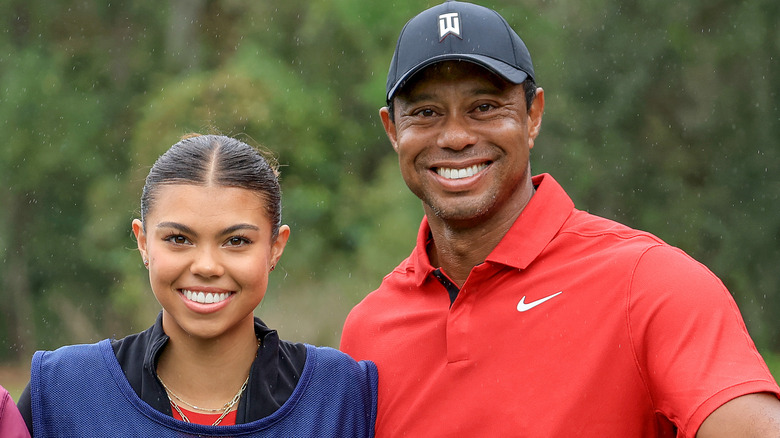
(535,117)
(384,114)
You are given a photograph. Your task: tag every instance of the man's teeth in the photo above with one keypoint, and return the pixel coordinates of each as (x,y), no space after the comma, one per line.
(204,298)
(460,173)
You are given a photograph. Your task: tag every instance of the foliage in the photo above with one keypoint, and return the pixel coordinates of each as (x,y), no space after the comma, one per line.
(662,116)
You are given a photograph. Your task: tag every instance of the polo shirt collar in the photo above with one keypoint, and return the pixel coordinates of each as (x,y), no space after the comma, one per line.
(537,225)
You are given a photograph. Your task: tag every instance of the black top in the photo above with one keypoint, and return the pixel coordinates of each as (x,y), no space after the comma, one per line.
(273,375)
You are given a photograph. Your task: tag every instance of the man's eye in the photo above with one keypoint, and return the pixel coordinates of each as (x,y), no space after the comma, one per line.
(484,107)
(426,113)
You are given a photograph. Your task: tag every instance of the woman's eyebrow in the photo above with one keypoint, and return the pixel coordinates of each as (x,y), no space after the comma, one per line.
(238,227)
(228,230)
(177,226)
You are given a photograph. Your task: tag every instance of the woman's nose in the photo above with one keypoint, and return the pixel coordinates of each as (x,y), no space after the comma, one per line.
(207,263)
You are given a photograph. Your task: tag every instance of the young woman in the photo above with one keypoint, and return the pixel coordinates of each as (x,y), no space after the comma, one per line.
(210,232)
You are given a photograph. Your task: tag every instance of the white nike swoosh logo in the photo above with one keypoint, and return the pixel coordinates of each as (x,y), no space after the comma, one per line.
(522,306)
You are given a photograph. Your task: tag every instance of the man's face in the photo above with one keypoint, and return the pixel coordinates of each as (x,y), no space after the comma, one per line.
(463,138)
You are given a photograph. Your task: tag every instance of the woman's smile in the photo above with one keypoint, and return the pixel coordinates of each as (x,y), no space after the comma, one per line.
(205,298)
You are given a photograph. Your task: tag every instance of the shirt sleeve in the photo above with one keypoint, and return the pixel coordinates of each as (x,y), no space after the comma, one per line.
(11,422)
(691,344)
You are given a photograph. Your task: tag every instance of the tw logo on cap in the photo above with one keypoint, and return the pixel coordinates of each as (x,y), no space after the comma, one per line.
(449,24)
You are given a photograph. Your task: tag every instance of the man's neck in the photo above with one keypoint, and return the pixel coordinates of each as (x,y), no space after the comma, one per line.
(457,249)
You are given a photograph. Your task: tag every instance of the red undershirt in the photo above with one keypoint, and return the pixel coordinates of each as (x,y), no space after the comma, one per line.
(206,419)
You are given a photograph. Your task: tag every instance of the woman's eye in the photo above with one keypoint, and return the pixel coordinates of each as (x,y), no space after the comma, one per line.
(178,239)
(237,241)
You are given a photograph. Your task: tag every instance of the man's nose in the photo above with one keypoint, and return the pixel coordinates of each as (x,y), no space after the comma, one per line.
(456,133)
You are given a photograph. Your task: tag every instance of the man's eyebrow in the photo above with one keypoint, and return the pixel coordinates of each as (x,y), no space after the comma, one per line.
(414,98)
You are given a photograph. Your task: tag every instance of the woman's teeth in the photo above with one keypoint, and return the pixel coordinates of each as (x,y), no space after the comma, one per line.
(205,298)
(460,173)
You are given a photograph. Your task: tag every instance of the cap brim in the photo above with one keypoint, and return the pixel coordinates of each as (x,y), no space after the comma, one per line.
(506,71)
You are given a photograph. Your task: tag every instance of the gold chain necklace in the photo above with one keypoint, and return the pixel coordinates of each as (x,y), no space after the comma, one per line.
(225,409)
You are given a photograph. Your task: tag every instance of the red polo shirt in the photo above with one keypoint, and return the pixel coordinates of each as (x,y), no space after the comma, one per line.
(575,325)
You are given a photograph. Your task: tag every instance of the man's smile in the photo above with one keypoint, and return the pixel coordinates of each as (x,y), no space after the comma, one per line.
(452,173)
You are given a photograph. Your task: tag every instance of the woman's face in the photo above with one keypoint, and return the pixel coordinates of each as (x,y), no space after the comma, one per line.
(209,250)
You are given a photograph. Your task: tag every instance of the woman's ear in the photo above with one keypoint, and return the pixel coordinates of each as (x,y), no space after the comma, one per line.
(140,238)
(277,247)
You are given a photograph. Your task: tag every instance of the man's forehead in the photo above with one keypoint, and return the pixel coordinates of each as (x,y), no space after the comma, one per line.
(458,70)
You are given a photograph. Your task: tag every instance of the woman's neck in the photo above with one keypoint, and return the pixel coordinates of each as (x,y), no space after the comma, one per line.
(207,372)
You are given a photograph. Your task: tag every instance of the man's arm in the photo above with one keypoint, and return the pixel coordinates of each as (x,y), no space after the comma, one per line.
(752,415)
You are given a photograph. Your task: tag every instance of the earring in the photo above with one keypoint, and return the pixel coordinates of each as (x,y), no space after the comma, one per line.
(146,264)
(272,268)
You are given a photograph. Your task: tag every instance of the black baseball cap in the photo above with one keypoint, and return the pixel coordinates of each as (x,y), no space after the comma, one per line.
(459,31)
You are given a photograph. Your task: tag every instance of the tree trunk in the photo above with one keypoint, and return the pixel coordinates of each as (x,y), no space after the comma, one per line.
(16,306)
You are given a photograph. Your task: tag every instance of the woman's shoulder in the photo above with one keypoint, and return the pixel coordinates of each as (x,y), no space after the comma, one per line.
(309,356)
(336,361)
(73,352)
(292,349)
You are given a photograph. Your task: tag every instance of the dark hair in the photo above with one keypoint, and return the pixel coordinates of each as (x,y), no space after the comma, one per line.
(219,160)
(529,88)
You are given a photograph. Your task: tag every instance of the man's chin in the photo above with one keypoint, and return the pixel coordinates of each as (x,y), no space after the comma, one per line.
(458,214)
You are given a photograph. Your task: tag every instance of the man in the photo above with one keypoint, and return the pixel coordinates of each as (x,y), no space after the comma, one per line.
(517,314)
